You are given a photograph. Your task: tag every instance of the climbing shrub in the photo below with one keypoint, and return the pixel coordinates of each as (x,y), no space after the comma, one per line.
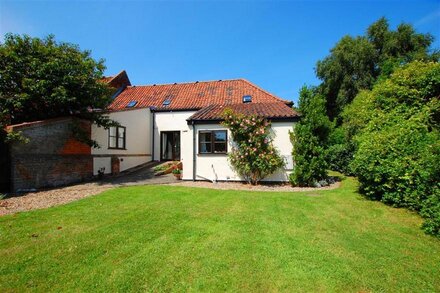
(253,155)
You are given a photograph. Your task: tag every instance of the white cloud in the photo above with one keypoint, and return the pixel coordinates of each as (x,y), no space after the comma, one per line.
(433,16)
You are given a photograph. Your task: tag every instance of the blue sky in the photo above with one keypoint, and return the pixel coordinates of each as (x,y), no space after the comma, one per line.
(271,43)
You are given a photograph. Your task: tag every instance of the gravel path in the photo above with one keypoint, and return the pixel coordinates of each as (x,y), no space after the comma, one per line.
(59,196)
(49,198)
(242,186)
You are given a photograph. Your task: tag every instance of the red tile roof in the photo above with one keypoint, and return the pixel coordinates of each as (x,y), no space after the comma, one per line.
(274,110)
(193,96)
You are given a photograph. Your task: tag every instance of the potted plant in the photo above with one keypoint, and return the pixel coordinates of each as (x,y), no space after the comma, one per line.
(178,174)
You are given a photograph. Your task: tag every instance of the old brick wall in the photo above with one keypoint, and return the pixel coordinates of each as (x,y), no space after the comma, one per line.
(5,166)
(53,157)
(120,80)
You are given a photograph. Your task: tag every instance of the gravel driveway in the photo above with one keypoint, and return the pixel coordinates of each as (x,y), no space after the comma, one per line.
(48,198)
(57,196)
(142,176)
(242,186)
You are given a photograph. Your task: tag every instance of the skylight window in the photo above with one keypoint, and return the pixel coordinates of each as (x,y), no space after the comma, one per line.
(131,104)
(247,99)
(167,102)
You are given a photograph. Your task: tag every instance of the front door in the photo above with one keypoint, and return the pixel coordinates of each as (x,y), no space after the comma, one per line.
(170,146)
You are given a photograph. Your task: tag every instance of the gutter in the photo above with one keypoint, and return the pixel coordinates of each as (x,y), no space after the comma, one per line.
(152,132)
(217,121)
(194,151)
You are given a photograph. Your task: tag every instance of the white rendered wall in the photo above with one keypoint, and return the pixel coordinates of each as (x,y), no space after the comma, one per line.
(216,166)
(281,140)
(138,140)
(138,125)
(175,121)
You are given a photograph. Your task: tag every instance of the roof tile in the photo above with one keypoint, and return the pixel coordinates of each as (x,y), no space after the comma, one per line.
(193,96)
(274,110)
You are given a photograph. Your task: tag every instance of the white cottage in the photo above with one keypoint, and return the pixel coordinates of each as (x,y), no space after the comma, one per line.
(182,121)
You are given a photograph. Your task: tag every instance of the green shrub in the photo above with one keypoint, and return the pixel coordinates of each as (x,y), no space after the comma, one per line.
(340,151)
(339,157)
(309,138)
(431,212)
(309,157)
(399,165)
(161,167)
(177,171)
(398,162)
(253,155)
(398,151)
(342,145)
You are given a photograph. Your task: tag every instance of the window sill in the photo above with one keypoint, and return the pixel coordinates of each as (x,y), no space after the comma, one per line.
(121,149)
(204,154)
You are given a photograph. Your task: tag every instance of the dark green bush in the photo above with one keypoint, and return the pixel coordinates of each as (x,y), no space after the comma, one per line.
(431,212)
(339,157)
(398,150)
(340,151)
(309,158)
(309,139)
(398,163)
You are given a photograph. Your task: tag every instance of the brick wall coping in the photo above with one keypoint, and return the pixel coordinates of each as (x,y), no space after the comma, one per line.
(12,127)
(80,155)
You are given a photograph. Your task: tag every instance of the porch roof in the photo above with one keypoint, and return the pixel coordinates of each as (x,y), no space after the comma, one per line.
(272,111)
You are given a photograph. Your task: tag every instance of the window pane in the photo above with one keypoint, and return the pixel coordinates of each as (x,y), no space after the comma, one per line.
(121,132)
(205,147)
(205,137)
(112,142)
(112,131)
(220,147)
(121,142)
(220,135)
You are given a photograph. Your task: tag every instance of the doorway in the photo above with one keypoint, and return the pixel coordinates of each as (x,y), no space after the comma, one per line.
(170,145)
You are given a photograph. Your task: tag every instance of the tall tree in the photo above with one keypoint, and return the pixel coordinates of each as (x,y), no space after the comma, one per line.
(42,78)
(309,138)
(349,68)
(355,63)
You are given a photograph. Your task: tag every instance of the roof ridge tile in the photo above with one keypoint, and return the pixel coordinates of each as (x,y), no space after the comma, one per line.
(187,82)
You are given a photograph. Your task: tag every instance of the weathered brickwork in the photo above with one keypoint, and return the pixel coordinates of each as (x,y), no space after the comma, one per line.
(51,158)
(5,164)
(119,80)
(38,170)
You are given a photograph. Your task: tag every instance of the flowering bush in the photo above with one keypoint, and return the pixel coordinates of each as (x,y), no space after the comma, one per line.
(253,155)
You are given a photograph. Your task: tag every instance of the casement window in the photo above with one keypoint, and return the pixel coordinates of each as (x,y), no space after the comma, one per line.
(213,142)
(116,137)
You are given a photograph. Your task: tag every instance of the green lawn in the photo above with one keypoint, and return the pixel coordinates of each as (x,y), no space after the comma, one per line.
(163,238)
